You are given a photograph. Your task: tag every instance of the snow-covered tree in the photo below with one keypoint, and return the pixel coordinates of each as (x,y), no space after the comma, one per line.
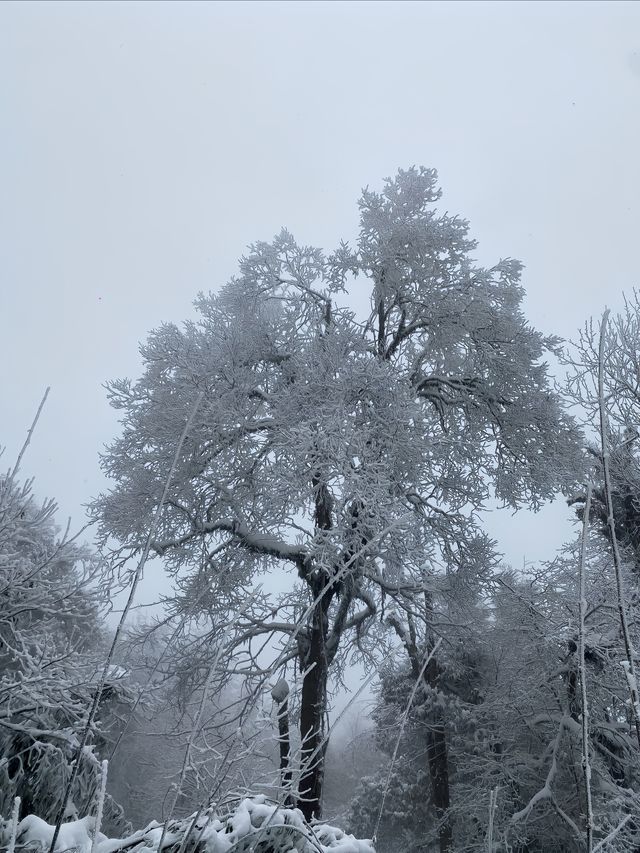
(511,704)
(345,452)
(604,383)
(52,593)
(621,393)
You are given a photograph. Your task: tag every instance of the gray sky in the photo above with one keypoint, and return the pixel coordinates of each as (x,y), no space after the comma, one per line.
(144,145)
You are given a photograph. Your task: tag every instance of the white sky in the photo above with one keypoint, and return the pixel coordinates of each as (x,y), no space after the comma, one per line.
(144,145)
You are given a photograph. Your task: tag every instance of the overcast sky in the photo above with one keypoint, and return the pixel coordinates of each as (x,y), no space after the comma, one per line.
(144,145)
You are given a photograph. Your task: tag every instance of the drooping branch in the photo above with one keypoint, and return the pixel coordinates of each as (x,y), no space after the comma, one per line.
(546,791)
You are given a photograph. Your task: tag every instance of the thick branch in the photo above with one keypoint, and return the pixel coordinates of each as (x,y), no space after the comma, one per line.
(258,543)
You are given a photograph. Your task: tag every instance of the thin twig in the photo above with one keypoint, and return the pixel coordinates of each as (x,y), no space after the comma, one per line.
(27,441)
(601,844)
(493,802)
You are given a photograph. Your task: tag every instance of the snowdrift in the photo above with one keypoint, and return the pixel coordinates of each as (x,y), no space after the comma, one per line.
(254,824)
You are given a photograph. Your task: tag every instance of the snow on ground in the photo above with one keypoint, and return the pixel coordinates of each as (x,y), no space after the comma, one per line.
(76,835)
(254,824)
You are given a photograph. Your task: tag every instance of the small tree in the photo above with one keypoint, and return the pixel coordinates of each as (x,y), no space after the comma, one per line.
(353,449)
(52,592)
(621,397)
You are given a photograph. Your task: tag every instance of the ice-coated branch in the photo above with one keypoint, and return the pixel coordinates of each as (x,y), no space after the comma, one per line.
(258,543)
(27,440)
(633,687)
(364,613)
(546,791)
(614,832)
(493,802)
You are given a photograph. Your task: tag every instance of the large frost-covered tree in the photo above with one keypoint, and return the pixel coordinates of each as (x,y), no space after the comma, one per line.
(347,450)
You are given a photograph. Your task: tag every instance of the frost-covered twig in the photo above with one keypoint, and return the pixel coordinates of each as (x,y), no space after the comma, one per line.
(290,828)
(107,665)
(617,560)
(187,835)
(586,765)
(601,844)
(27,440)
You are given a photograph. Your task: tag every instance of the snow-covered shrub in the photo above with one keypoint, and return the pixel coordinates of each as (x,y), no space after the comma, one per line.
(252,825)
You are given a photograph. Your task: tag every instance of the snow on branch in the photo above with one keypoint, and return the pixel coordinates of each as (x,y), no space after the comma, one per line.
(257,543)
(545,793)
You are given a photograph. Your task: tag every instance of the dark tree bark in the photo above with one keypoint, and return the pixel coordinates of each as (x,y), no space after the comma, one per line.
(439,765)
(313,709)
(314,663)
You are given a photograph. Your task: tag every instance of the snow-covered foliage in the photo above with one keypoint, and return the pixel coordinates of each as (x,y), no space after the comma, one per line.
(252,825)
(52,592)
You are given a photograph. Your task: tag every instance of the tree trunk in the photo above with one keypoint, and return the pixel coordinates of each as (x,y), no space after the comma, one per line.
(439,766)
(312,713)
(314,664)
